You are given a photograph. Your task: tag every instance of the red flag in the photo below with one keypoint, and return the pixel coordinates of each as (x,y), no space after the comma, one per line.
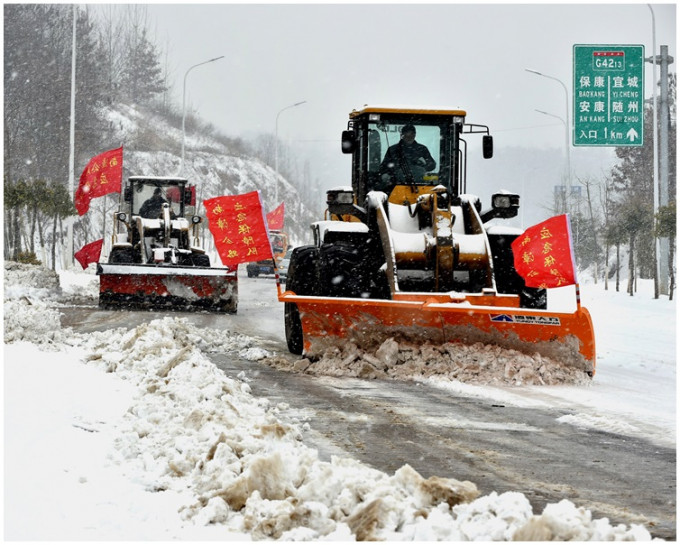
(89,253)
(102,175)
(544,256)
(238,226)
(275,218)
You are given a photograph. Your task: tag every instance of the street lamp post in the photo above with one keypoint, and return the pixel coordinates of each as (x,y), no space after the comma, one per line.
(655,132)
(68,263)
(566,125)
(184,98)
(276,148)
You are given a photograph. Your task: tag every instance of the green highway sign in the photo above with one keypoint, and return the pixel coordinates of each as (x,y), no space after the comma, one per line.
(608,95)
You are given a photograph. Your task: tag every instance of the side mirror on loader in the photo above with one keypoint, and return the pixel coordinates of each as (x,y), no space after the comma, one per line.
(487,146)
(348,142)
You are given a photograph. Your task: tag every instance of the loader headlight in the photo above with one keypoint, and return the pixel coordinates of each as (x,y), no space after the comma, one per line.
(196,219)
(121,216)
(340,196)
(501,201)
(505,200)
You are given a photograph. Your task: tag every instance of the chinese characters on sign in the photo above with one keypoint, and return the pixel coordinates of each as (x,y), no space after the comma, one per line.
(608,95)
(543,254)
(237,224)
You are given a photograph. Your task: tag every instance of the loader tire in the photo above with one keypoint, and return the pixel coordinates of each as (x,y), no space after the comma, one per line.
(200,260)
(121,255)
(303,271)
(342,271)
(533,298)
(303,279)
(293,326)
(508,280)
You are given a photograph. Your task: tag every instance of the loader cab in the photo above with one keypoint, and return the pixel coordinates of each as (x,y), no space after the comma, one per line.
(174,191)
(381,163)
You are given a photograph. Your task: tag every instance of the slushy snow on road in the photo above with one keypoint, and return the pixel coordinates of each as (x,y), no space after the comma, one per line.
(137,435)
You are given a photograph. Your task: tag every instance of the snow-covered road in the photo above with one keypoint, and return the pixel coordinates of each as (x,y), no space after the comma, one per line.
(152,465)
(499,447)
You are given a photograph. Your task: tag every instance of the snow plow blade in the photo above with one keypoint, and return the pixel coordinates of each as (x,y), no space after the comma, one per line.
(167,287)
(565,337)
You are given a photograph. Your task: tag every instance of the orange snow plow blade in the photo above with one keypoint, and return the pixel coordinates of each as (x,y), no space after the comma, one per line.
(491,319)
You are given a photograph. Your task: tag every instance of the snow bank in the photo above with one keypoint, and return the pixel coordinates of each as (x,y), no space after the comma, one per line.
(239,466)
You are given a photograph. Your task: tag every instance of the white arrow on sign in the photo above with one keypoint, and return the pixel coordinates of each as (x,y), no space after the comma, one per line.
(632,134)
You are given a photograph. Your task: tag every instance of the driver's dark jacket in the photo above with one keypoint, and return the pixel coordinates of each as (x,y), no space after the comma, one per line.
(152,207)
(411,154)
(400,164)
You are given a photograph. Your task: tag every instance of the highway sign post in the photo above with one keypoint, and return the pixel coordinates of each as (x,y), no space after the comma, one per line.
(608,95)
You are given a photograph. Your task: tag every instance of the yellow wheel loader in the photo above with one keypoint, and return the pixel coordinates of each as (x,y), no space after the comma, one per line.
(406,253)
(156,259)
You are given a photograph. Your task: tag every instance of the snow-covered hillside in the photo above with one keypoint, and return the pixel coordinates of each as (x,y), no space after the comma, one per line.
(214,168)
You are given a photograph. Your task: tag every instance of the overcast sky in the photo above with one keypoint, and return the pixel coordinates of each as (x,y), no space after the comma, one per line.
(342,56)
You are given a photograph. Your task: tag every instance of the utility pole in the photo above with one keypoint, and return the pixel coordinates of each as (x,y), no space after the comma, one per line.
(661,149)
(68,261)
(664,117)
(655,132)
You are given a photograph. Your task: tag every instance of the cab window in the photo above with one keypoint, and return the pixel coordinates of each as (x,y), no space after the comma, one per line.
(383,137)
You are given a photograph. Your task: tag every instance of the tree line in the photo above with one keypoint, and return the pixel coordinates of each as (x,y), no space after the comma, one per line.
(116,61)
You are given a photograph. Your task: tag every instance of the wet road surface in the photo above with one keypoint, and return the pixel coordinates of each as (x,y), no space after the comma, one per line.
(387,424)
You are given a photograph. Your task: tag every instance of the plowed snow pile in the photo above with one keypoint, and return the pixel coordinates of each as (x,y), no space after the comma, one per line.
(234,463)
(476,364)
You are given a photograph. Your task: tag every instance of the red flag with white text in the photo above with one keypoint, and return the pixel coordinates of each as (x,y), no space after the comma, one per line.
(275,218)
(544,255)
(102,175)
(237,223)
(89,253)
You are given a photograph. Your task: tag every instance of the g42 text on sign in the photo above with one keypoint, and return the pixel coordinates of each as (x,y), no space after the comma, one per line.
(608,95)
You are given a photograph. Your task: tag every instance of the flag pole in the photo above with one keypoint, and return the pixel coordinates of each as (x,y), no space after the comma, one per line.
(278,279)
(578,296)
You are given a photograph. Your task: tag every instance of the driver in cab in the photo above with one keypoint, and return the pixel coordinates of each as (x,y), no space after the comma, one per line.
(407,161)
(153,207)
